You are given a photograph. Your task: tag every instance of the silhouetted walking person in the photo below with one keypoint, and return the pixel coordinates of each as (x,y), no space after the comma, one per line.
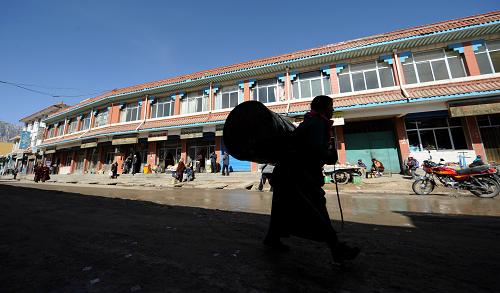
(299,204)
(225,164)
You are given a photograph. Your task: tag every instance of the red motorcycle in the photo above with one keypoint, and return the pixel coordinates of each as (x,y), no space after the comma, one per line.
(482,181)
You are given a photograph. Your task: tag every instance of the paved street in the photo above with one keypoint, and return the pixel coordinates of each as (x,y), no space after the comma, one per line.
(71,238)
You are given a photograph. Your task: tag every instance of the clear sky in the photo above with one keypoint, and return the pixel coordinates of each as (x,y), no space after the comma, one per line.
(73,48)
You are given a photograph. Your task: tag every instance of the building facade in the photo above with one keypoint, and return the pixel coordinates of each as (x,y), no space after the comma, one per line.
(427,91)
(26,150)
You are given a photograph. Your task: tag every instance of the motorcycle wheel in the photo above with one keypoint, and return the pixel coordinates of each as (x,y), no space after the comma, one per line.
(341,177)
(492,191)
(422,186)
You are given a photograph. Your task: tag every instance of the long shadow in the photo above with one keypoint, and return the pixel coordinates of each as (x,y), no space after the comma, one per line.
(54,241)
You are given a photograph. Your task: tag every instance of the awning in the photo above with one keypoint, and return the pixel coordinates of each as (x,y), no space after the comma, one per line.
(475,107)
(87,145)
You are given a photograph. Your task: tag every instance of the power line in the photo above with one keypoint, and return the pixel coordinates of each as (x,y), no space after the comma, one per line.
(24,86)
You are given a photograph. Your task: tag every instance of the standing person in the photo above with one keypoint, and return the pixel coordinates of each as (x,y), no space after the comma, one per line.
(225,164)
(199,158)
(267,174)
(114,170)
(202,163)
(213,162)
(45,173)
(14,172)
(179,172)
(299,204)
(38,172)
(135,164)
(478,161)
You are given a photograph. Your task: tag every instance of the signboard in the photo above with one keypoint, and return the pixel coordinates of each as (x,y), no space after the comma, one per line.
(158,136)
(50,151)
(88,145)
(219,133)
(25,140)
(192,135)
(127,140)
(474,110)
(338,118)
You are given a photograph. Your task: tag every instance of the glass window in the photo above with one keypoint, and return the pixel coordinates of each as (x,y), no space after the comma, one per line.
(434,65)
(162,107)
(72,125)
(365,76)
(311,84)
(60,129)
(130,112)
(228,97)
(86,122)
(101,118)
(194,102)
(50,131)
(435,134)
(488,57)
(268,90)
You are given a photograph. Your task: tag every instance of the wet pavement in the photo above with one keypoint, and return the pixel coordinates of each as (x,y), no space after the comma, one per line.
(377,208)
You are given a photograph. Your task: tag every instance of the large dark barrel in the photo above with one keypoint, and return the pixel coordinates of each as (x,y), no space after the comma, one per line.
(254,133)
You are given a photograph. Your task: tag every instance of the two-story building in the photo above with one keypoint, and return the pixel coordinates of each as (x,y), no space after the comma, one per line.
(26,151)
(429,90)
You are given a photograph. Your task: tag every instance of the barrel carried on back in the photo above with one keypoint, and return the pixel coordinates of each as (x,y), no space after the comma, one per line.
(254,133)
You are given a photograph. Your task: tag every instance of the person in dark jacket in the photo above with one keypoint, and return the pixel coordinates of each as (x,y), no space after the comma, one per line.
(180,170)
(136,164)
(299,204)
(38,172)
(114,170)
(225,164)
(213,162)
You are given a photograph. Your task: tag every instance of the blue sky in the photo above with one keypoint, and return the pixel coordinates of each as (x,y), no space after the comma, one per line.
(82,47)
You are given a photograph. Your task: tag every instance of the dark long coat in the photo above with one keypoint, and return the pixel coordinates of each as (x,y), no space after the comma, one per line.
(299,204)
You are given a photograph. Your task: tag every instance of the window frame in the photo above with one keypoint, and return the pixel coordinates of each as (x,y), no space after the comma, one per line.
(447,127)
(277,84)
(192,98)
(487,52)
(162,102)
(85,122)
(446,57)
(377,69)
(130,107)
(219,97)
(98,116)
(323,77)
(73,125)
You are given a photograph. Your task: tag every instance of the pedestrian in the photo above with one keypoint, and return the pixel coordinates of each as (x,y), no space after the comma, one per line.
(38,172)
(14,172)
(45,170)
(299,204)
(114,170)
(225,164)
(136,163)
(199,158)
(267,174)
(412,166)
(179,172)
(213,162)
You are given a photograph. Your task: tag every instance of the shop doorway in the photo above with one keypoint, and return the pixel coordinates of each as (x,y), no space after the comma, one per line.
(80,160)
(373,139)
(489,126)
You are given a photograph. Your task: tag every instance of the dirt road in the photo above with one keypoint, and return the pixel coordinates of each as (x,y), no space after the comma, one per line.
(56,241)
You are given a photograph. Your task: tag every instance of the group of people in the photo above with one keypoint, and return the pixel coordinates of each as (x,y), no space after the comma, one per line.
(132,164)
(376,170)
(41,172)
(188,170)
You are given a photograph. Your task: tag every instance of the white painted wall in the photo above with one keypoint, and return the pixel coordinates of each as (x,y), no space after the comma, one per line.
(448,156)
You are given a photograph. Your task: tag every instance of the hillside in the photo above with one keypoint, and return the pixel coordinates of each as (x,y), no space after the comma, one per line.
(8,130)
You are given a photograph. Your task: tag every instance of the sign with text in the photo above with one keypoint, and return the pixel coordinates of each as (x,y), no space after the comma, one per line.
(25,140)
(338,118)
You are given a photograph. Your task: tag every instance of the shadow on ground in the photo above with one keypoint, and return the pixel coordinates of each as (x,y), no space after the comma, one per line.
(65,242)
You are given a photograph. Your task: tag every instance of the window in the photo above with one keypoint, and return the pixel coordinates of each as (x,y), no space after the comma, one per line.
(72,125)
(194,102)
(434,65)
(101,118)
(60,128)
(311,84)
(488,120)
(85,122)
(435,134)
(365,76)
(51,131)
(268,91)
(488,57)
(130,112)
(163,107)
(228,97)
